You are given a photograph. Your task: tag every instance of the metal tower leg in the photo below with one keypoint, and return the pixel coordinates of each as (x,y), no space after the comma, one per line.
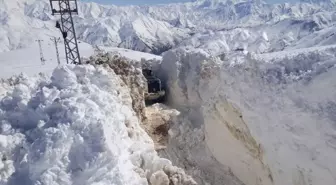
(41,52)
(56,41)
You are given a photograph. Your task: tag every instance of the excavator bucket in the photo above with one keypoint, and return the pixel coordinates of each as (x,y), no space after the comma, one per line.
(156,97)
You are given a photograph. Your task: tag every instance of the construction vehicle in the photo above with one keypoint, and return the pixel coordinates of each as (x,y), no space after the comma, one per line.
(155,93)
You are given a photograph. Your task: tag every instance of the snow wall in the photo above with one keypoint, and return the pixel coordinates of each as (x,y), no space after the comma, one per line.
(78,127)
(265,119)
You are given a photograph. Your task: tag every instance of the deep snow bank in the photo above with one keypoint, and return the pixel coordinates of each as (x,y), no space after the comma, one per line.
(78,127)
(265,119)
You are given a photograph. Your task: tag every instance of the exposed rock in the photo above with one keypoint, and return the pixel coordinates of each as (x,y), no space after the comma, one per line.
(157,123)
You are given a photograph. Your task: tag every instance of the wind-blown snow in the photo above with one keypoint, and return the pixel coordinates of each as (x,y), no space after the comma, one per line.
(77,127)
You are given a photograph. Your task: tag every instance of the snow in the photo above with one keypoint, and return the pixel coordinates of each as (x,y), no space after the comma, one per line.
(77,127)
(262,116)
(131,54)
(156,29)
(268,119)
(27,60)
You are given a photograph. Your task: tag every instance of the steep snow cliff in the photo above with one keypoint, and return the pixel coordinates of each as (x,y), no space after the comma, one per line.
(266,119)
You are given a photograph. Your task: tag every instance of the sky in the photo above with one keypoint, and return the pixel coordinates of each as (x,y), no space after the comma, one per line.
(151,2)
(135,2)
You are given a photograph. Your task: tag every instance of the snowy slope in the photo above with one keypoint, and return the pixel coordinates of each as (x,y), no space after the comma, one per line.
(27,60)
(26,20)
(268,118)
(283,35)
(158,28)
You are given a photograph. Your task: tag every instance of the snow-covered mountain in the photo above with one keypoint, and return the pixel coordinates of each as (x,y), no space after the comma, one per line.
(158,28)
(261,116)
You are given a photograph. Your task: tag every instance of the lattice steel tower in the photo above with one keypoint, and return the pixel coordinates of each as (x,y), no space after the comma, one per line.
(66,8)
(41,52)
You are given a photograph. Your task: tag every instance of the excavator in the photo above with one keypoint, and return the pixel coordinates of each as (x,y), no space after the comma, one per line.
(155,93)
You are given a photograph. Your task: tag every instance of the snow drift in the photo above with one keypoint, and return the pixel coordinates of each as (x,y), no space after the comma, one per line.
(77,127)
(266,119)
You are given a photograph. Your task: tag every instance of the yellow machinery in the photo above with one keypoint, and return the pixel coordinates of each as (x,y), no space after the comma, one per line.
(155,92)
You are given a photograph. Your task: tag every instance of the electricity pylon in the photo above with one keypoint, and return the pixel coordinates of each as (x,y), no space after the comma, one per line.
(66,8)
(56,41)
(41,52)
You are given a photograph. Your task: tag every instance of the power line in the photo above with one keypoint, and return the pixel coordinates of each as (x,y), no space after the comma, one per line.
(97,49)
(56,41)
(41,52)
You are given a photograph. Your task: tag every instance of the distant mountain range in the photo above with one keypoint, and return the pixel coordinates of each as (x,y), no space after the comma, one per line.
(218,25)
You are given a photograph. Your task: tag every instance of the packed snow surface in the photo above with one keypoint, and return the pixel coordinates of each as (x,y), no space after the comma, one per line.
(77,127)
(27,60)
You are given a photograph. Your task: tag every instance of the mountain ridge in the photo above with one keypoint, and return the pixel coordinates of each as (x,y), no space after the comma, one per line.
(153,29)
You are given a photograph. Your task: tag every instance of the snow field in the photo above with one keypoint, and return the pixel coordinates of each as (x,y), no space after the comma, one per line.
(27,60)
